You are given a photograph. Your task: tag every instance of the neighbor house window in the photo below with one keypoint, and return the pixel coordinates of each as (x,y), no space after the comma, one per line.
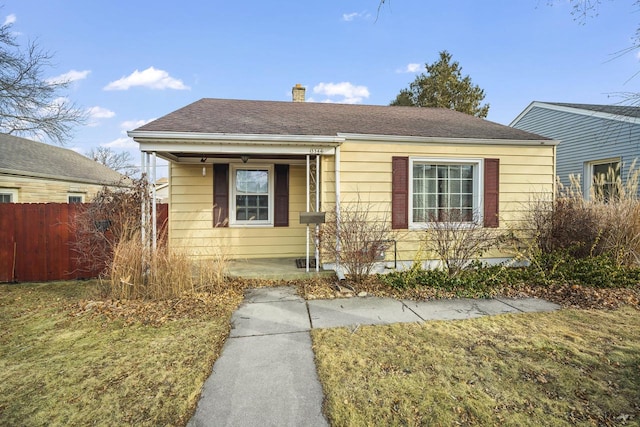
(604,176)
(444,191)
(75,198)
(252,195)
(8,195)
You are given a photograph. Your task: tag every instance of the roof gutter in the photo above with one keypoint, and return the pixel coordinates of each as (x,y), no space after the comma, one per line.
(233,138)
(29,174)
(446,140)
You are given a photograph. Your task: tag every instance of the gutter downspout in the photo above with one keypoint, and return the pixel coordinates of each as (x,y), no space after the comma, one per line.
(339,270)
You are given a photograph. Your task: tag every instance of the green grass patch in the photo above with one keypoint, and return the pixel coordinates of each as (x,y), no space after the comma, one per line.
(563,368)
(63,366)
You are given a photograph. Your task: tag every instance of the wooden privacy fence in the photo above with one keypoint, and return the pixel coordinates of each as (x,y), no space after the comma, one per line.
(37,242)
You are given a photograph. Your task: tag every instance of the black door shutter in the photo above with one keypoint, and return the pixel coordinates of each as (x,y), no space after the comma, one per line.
(281,196)
(220,195)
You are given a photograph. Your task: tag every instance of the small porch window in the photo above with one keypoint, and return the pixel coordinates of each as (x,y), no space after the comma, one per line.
(251,195)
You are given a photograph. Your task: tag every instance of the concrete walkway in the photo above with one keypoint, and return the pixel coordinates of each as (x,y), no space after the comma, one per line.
(266,374)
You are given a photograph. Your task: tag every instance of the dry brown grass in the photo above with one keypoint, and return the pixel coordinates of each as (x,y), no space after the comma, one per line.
(564,368)
(68,362)
(137,271)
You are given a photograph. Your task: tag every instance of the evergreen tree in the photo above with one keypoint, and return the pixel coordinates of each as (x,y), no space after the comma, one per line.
(443,86)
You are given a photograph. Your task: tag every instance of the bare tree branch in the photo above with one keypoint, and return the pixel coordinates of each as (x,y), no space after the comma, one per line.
(121,162)
(31,105)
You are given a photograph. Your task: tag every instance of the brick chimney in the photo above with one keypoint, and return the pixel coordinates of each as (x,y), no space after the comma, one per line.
(298,93)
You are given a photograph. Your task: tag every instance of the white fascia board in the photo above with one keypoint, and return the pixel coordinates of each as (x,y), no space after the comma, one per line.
(234,138)
(524,113)
(445,140)
(165,143)
(164,150)
(582,112)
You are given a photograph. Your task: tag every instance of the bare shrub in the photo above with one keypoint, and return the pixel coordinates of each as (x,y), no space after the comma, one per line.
(112,216)
(363,238)
(608,223)
(618,212)
(456,241)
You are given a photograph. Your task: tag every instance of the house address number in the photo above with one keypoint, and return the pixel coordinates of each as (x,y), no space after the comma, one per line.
(315,150)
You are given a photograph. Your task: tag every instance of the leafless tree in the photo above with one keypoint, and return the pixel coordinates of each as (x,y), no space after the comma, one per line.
(31,105)
(121,162)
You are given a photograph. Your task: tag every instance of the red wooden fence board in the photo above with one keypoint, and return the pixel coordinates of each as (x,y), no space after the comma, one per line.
(7,240)
(42,236)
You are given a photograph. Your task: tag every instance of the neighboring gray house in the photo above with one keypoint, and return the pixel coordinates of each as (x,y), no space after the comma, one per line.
(593,138)
(33,172)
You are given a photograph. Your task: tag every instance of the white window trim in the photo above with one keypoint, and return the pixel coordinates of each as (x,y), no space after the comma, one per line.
(478,186)
(13,192)
(232,195)
(588,173)
(81,195)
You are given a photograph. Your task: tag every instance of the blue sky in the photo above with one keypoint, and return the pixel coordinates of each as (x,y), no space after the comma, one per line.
(133,61)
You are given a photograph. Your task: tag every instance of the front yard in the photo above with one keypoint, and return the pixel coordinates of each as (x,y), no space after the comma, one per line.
(72,357)
(68,361)
(564,368)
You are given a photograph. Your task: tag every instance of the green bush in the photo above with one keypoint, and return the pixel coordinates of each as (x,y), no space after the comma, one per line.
(547,268)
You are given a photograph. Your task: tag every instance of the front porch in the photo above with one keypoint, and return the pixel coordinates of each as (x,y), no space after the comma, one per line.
(273,269)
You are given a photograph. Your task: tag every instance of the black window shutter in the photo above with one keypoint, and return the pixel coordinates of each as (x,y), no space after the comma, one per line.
(281,196)
(400,193)
(491,192)
(221,195)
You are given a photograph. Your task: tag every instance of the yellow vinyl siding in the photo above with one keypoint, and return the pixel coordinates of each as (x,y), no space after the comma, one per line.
(40,190)
(191,219)
(526,172)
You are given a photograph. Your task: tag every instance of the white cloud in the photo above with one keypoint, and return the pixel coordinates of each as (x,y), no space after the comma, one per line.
(10,19)
(151,78)
(133,124)
(348,17)
(96,113)
(348,92)
(122,142)
(411,68)
(68,77)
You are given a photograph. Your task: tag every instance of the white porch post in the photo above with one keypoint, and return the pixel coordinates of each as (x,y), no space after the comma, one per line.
(337,193)
(317,210)
(308,203)
(153,204)
(143,210)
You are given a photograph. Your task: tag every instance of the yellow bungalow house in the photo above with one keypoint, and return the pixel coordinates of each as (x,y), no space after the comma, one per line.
(241,172)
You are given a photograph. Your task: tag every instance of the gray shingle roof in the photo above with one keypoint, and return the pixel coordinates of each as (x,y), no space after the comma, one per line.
(30,157)
(228,116)
(616,110)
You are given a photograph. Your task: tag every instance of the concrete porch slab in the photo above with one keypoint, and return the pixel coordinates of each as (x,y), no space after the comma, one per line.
(272,268)
(358,311)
